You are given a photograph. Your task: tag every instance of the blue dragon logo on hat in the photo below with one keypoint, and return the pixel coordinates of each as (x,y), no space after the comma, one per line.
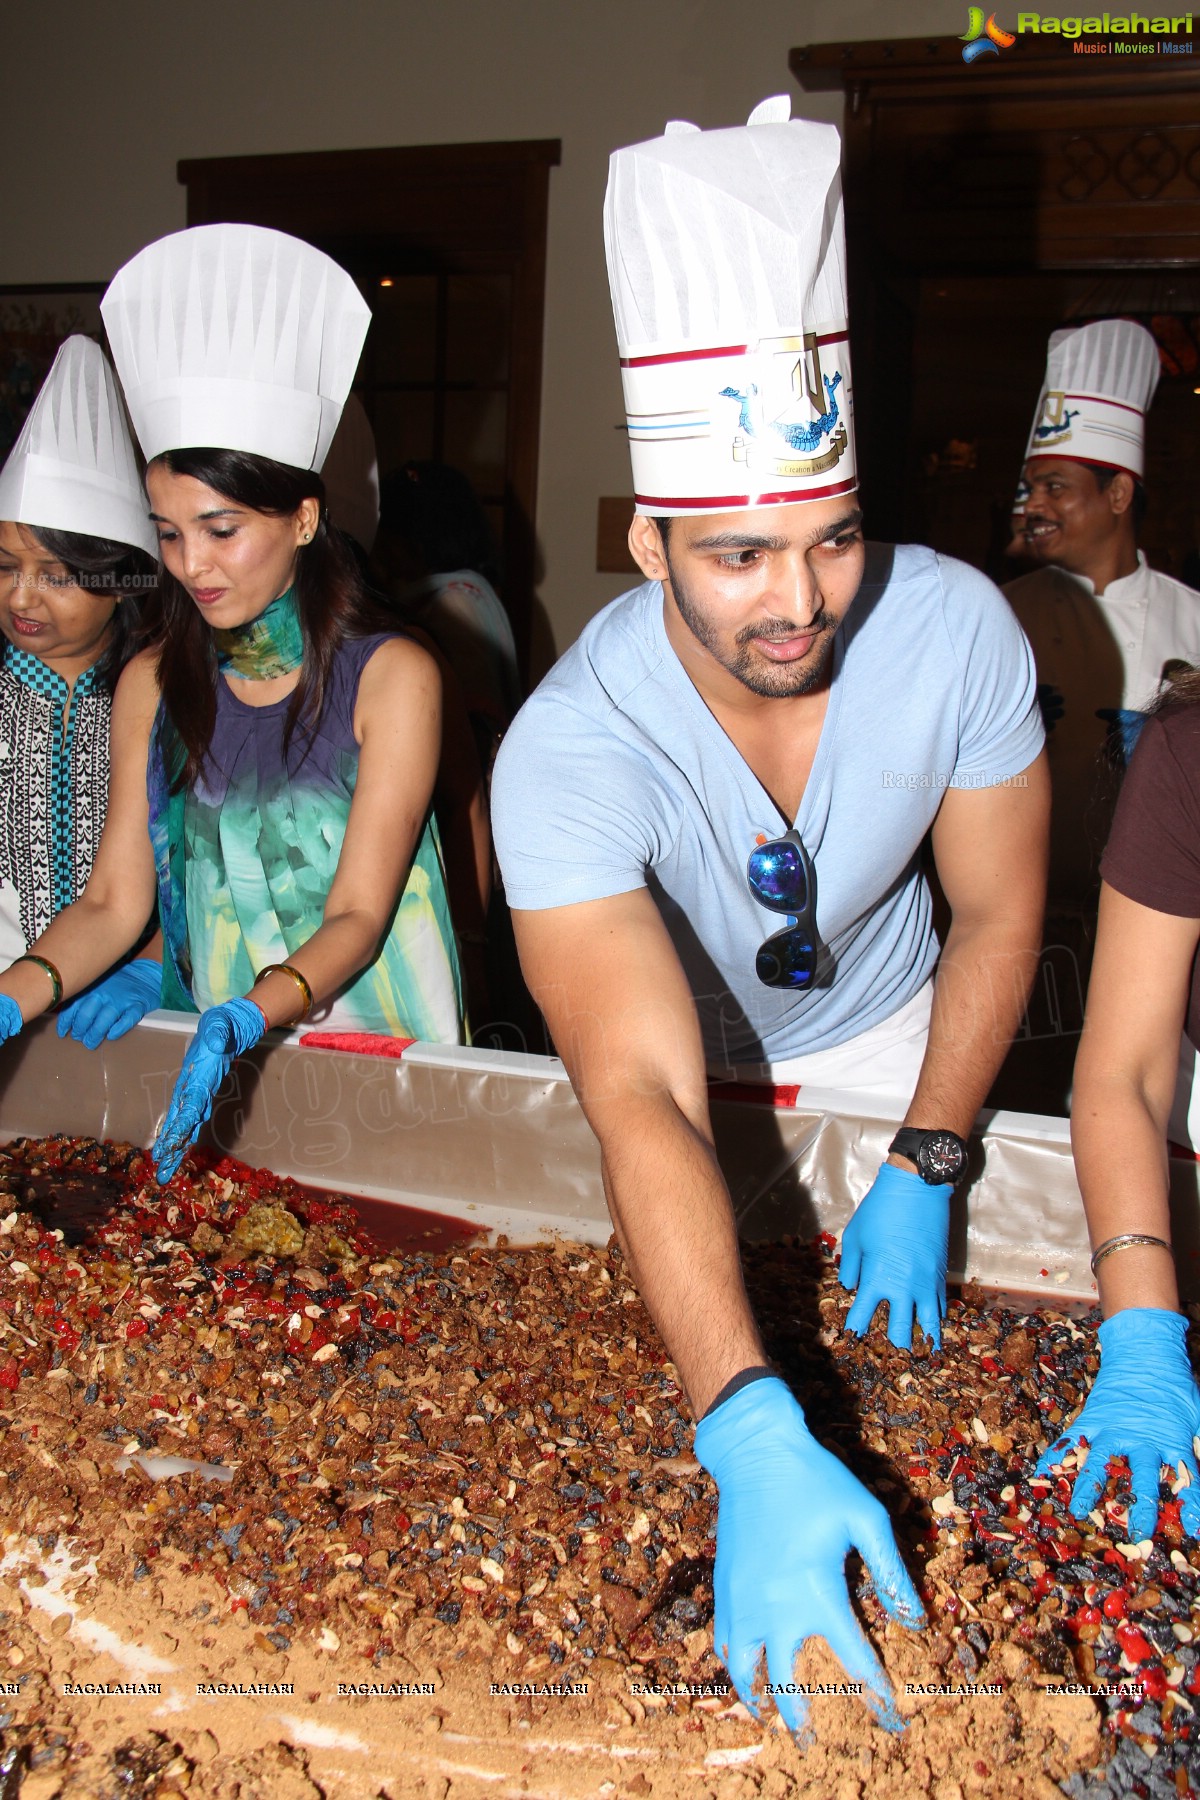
(1054,426)
(780,443)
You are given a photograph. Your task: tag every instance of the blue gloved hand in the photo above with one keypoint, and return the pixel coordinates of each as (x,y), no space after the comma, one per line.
(224,1032)
(789,1515)
(1124,729)
(11,1019)
(113,1006)
(894,1249)
(1144,1406)
(1052,705)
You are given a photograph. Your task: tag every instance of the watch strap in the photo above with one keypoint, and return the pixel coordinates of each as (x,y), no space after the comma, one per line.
(907,1142)
(911,1141)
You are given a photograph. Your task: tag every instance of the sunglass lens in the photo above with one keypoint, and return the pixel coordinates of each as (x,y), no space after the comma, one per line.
(776,875)
(787,960)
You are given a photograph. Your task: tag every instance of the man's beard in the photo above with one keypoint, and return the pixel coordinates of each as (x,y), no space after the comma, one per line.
(770,681)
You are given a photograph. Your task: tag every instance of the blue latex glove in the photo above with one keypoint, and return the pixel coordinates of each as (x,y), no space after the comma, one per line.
(1124,729)
(110,1008)
(224,1032)
(1052,704)
(894,1249)
(11,1020)
(789,1515)
(1144,1406)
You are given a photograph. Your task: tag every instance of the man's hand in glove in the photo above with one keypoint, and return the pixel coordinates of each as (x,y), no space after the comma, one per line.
(224,1032)
(1143,1406)
(790,1513)
(114,1005)
(894,1249)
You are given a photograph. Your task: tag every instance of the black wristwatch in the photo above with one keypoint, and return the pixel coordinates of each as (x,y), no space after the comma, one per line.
(940,1156)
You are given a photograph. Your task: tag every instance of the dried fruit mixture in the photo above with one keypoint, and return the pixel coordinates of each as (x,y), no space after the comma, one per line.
(486,1447)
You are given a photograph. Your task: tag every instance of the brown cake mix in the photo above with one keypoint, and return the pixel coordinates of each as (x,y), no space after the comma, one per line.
(460,1484)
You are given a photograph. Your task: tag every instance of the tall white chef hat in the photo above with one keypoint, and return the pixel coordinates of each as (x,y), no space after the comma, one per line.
(1100,380)
(235,338)
(351,476)
(73,468)
(726,261)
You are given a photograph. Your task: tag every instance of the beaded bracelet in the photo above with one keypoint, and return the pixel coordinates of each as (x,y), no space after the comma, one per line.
(306,993)
(1125,1241)
(43,963)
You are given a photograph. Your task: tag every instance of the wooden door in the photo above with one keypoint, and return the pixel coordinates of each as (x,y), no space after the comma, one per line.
(985,205)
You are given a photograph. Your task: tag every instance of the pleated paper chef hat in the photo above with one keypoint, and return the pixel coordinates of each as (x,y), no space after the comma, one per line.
(1100,380)
(726,261)
(351,476)
(74,468)
(234,337)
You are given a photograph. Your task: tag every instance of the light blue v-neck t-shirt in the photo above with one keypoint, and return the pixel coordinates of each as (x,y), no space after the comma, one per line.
(615,775)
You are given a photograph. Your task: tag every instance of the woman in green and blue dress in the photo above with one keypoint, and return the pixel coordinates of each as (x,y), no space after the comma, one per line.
(274,760)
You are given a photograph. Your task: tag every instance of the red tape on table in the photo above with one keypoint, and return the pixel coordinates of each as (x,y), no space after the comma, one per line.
(357,1043)
(754,1093)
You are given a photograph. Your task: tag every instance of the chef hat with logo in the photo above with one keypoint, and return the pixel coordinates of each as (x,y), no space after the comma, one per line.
(1100,380)
(74,468)
(233,337)
(727,265)
(351,476)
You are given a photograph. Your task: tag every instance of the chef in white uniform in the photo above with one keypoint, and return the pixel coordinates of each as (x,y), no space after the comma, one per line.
(1102,623)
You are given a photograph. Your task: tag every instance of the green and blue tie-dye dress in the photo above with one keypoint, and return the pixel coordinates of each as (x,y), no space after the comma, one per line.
(247,857)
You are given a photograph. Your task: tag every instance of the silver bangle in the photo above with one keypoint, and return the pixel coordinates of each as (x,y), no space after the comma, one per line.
(1123,1242)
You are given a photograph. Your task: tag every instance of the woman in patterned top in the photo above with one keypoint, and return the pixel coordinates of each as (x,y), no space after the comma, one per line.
(75,560)
(275,749)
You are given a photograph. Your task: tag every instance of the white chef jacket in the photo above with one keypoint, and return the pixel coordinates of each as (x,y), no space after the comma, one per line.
(1099,651)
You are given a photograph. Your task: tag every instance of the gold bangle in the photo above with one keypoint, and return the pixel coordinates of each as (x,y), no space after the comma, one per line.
(43,963)
(306,993)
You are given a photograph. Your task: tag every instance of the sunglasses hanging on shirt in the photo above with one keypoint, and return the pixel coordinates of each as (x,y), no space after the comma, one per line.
(782,877)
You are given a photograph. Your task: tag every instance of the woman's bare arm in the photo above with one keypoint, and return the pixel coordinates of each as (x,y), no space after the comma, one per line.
(1124,1085)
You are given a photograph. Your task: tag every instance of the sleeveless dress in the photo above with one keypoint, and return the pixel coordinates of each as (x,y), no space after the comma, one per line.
(247,857)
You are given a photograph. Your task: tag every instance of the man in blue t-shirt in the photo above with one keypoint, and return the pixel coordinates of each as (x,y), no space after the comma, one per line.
(776,673)
(709,819)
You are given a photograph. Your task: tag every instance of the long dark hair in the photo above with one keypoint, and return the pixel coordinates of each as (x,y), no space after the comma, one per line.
(332,602)
(102,566)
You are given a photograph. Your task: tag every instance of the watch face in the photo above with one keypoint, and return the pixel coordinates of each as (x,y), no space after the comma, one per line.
(942,1157)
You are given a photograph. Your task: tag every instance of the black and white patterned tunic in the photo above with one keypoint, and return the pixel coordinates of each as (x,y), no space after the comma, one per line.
(54,772)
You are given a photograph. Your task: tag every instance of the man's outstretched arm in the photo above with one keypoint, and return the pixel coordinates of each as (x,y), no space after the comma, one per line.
(990,846)
(615,997)
(622,1016)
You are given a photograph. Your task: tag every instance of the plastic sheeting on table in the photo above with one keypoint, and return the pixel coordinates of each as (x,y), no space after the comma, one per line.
(499,1139)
